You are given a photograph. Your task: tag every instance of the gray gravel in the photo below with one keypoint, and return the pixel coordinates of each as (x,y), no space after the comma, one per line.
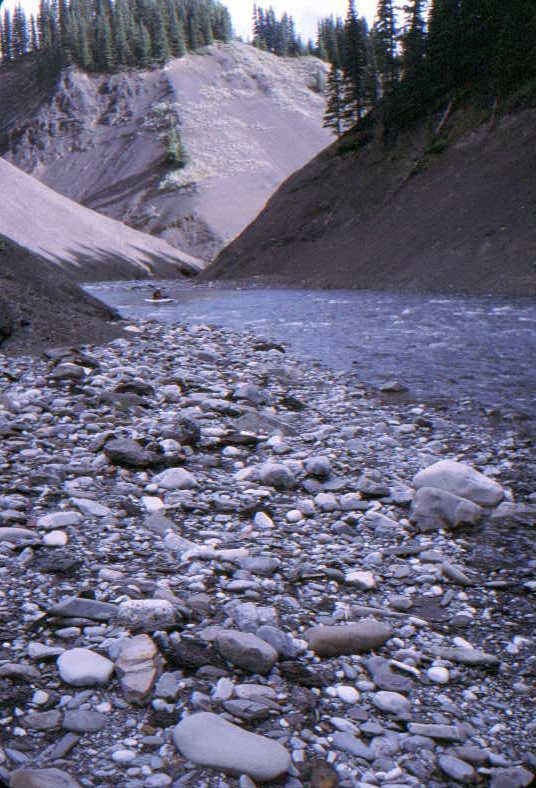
(273,576)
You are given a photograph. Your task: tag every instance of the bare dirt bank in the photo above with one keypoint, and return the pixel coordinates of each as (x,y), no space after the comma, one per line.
(40,306)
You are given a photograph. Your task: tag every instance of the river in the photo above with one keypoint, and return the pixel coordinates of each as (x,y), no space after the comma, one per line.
(441,347)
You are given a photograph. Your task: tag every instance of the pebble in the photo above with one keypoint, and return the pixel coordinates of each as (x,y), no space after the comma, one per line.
(42,778)
(438,675)
(392,702)
(457,769)
(347,694)
(55,539)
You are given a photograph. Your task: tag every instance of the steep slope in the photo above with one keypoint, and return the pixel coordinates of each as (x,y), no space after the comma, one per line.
(85,243)
(436,212)
(245,120)
(41,306)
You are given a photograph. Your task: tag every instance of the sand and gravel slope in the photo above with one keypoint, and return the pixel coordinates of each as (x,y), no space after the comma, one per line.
(246,119)
(84,243)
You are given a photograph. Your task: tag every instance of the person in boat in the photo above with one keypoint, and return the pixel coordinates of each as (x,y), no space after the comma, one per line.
(157,295)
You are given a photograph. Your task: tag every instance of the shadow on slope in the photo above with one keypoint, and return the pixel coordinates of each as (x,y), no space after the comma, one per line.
(95,264)
(41,306)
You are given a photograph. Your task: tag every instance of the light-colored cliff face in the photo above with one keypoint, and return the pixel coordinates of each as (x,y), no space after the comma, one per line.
(81,241)
(245,119)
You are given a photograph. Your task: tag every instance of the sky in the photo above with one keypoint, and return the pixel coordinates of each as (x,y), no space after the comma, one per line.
(306,13)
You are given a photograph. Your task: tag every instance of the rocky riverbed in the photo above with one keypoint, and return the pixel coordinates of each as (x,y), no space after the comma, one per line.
(222,567)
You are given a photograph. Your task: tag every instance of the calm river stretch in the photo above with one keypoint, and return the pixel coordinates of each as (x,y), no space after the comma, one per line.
(452,348)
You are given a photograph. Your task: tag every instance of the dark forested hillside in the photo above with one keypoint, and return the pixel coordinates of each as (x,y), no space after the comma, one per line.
(102,36)
(408,60)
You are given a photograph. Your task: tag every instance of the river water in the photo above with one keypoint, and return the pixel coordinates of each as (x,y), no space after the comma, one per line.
(451,348)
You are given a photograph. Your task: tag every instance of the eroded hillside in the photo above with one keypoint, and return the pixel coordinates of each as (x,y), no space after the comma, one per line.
(244,119)
(449,207)
(82,242)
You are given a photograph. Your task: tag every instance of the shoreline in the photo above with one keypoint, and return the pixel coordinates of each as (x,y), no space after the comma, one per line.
(210,408)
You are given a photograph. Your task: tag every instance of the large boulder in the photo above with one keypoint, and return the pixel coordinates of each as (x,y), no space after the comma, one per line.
(462,480)
(209,740)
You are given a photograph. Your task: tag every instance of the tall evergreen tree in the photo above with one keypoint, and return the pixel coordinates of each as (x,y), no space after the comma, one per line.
(414,43)
(353,66)
(20,33)
(160,46)
(444,43)
(334,113)
(7,38)
(385,41)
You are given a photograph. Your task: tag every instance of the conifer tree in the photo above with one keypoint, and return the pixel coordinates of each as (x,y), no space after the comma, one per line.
(177,45)
(104,52)
(353,66)
(385,42)
(160,46)
(334,113)
(414,43)
(7,38)
(20,34)
(34,38)
(443,43)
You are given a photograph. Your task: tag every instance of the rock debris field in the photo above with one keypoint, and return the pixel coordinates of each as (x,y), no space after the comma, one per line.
(221,567)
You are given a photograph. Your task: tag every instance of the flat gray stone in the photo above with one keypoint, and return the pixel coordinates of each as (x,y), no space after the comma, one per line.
(462,480)
(84,721)
(175,479)
(318,466)
(514,777)
(275,474)
(128,453)
(76,607)
(436,731)
(465,656)
(91,508)
(358,638)
(18,535)
(246,651)
(42,778)
(347,742)
(456,769)
(208,740)
(43,720)
(59,520)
